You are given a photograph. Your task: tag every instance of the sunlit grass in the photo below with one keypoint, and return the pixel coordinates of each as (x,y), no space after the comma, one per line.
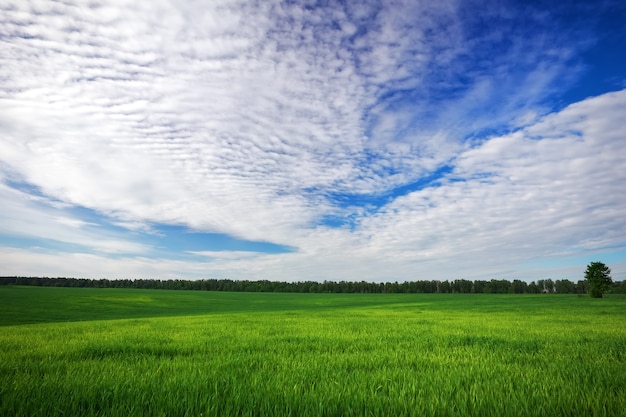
(325,355)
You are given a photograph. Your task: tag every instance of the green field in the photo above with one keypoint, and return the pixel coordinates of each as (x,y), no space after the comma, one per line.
(125,352)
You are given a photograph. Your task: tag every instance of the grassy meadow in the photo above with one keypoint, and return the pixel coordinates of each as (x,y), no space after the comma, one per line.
(129,352)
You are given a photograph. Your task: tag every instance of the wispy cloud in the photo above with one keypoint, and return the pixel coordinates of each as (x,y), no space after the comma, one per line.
(262,120)
(38,221)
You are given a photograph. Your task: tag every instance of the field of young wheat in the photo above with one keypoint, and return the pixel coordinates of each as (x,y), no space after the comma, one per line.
(114,352)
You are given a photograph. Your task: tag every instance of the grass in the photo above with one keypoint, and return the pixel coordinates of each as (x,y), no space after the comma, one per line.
(114,352)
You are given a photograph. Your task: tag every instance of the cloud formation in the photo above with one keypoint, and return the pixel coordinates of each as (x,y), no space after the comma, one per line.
(380,140)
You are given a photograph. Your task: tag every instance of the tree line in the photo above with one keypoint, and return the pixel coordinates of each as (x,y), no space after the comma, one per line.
(462,286)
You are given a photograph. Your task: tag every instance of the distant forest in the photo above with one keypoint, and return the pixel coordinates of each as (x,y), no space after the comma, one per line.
(494,286)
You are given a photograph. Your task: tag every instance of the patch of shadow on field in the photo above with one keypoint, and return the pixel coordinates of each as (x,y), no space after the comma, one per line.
(37,305)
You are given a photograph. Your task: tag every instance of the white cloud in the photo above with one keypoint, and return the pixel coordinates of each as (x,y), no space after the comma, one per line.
(121,126)
(243,118)
(520,199)
(23,216)
(552,185)
(35,262)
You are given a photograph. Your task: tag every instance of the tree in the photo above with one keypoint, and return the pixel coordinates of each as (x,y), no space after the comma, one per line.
(519,287)
(564,286)
(598,276)
(533,288)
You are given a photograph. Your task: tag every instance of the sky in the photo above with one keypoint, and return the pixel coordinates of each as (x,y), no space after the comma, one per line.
(312,140)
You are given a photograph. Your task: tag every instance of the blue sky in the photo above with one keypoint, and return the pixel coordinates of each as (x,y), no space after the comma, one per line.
(305,140)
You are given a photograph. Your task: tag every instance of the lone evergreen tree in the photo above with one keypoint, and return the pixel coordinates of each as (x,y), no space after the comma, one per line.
(598,276)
